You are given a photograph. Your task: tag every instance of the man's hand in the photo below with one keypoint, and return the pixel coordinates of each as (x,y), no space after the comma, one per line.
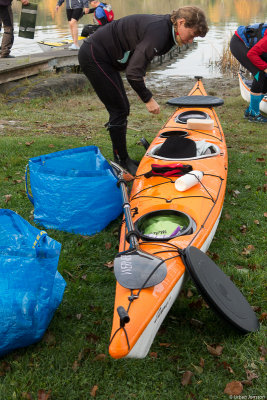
(25,2)
(57,8)
(86,10)
(152,106)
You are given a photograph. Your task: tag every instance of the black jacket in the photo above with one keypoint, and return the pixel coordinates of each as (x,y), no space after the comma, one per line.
(143,35)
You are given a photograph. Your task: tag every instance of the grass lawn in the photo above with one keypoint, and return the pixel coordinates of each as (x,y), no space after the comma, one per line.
(71,362)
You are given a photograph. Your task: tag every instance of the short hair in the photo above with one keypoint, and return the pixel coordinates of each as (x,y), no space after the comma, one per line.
(194,18)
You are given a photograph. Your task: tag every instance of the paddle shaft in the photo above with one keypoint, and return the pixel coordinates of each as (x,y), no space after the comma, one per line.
(127,212)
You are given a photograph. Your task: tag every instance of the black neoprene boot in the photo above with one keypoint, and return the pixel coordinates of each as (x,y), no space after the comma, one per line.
(118,138)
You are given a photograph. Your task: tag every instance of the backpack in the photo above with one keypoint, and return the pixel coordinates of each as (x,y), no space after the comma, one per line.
(108,11)
(251,34)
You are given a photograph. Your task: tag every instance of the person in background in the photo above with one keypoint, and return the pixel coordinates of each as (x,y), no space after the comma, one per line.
(6,19)
(75,10)
(103,13)
(130,44)
(249,46)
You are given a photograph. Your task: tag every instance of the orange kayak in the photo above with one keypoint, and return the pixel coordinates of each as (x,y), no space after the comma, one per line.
(200,147)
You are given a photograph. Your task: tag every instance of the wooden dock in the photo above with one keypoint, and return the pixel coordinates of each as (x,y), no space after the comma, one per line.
(24,66)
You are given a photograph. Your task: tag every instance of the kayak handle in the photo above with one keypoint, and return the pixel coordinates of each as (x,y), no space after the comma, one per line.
(124,317)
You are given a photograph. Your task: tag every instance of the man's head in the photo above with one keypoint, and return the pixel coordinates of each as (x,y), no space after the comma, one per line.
(189,22)
(94,3)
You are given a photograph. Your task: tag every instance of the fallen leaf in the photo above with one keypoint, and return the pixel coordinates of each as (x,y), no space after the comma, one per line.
(189,293)
(227,367)
(260,159)
(202,362)
(93,390)
(165,344)
(243,228)
(108,245)
(100,357)
(236,193)
(109,264)
(68,273)
(8,197)
(153,354)
(198,304)
(263,316)
(4,368)
(227,216)
(75,365)
(247,250)
(233,388)
(51,145)
(79,316)
(247,187)
(251,375)
(29,143)
(257,222)
(246,382)
(43,395)
(263,350)
(84,277)
(265,214)
(186,378)
(26,396)
(215,351)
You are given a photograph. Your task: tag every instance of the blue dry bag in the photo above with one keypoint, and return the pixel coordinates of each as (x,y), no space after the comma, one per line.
(31,288)
(74,190)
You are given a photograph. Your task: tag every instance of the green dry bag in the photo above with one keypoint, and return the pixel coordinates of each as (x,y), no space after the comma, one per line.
(28,21)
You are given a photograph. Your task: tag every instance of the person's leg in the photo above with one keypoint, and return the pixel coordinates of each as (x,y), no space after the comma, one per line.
(77,13)
(8,36)
(74,31)
(239,51)
(109,87)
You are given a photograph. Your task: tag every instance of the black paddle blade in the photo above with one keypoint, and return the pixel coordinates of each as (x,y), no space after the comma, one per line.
(219,291)
(136,269)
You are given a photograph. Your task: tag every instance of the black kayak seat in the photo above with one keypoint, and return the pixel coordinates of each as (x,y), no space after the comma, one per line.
(196,101)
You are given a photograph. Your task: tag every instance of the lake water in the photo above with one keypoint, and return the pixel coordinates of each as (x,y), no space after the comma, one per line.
(223,17)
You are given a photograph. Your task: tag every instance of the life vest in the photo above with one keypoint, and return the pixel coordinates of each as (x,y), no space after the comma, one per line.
(108,12)
(251,34)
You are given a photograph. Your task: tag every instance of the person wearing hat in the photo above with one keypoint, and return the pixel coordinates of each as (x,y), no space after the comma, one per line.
(249,46)
(6,17)
(75,10)
(130,44)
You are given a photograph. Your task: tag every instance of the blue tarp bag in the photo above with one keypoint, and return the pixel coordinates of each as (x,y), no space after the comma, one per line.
(31,288)
(74,190)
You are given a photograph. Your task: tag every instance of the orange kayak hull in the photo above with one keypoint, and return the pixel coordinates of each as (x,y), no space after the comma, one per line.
(202,202)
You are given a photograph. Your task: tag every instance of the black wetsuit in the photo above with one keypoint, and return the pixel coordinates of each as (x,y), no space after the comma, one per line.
(143,36)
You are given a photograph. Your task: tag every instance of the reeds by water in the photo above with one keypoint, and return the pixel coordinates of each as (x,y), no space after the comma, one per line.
(227,62)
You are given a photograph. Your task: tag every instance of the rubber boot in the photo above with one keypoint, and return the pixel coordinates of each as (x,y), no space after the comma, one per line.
(118,137)
(254,105)
(254,109)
